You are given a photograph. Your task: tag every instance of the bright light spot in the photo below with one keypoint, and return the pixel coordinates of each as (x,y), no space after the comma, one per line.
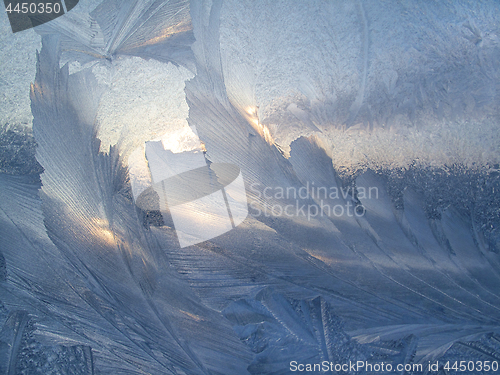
(253,119)
(267,134)
(192,316)
(251,111)
(102,232)
(167,33)
(108,236)
(181,140)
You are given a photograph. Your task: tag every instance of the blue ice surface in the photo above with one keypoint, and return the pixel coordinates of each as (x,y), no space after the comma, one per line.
(87,287)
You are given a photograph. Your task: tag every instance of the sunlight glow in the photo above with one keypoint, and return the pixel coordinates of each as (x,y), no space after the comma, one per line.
(168,32)
(253,119)
(181,140)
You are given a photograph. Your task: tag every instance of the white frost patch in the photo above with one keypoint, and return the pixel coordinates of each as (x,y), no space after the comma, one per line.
(18,62)
(433,144)
(380,84)
(181,140)
(145,100)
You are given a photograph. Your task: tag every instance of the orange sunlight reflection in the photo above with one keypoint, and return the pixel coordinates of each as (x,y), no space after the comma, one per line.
(253,118)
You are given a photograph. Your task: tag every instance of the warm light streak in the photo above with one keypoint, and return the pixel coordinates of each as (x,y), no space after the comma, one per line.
(103,232)
(168,32)
(253,119)
(192,316)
